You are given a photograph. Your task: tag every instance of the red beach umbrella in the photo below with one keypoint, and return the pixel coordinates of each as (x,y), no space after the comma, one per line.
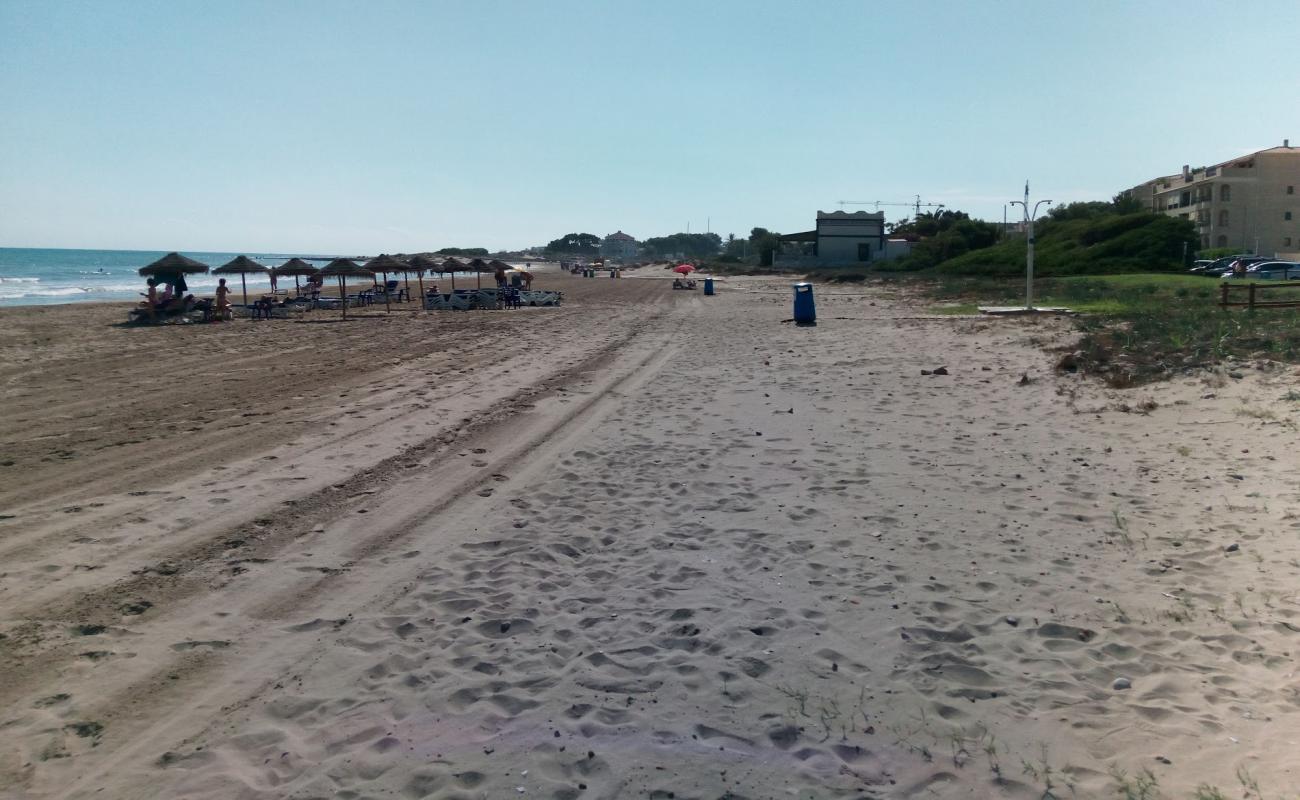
(685,269)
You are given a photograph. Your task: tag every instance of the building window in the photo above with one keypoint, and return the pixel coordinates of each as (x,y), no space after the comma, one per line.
(1286,215)
(1286,241)
(864,251)
(1223,217)
(1290,190)
(1225,193)
(1222,242)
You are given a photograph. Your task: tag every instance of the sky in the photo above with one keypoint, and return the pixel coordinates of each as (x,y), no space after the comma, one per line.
(360,127)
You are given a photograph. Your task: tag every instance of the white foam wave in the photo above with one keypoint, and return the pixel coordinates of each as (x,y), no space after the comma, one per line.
(67,291)
(3,279)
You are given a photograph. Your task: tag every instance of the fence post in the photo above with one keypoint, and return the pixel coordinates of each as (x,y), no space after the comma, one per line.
(1250,299)
(1223,289)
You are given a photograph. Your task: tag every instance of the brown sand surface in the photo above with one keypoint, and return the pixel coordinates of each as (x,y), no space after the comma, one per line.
(648,544)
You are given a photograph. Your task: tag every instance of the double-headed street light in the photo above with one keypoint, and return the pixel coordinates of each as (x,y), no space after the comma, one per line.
(1029,233)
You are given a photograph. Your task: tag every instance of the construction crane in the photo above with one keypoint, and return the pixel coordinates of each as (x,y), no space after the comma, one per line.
(917,204)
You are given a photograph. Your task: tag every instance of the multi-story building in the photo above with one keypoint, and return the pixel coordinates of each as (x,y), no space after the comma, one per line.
(1248,203)
(618,246)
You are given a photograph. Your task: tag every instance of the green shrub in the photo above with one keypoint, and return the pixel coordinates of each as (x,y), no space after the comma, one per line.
(1090,245)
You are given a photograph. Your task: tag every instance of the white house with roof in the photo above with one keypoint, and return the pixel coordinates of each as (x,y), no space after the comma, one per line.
(619,246)
(841,238)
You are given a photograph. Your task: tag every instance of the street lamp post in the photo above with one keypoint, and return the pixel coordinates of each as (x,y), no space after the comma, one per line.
(1029,233)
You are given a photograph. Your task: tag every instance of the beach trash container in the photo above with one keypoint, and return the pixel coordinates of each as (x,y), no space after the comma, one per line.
(805,312)
(613,273)
(708,287)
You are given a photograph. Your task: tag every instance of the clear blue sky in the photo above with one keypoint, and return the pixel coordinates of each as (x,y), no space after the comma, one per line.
(364,126)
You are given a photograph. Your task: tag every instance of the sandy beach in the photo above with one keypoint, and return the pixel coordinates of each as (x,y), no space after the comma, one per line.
(646,544)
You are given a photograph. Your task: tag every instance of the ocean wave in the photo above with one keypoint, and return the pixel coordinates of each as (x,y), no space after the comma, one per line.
(66,291)
(4,279)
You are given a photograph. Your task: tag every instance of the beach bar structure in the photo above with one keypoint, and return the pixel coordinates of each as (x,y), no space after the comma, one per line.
(841,238)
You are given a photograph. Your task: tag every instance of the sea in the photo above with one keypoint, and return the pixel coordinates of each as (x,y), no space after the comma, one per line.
(31,276)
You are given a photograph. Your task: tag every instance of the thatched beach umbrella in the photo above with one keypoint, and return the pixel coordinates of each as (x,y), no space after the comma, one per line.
(406,270)
(173,266)
(479,266)
(294,267)
(385,263)
(241,266)
(453,266)
(421,264)
(343,269)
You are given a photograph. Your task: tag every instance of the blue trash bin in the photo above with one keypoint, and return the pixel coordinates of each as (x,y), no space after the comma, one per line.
(805,311)
(708,287)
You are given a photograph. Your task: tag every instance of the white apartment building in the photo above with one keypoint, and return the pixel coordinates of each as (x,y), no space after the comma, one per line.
(1249,203)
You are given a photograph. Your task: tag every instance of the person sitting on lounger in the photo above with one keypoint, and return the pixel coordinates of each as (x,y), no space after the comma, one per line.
(150,302)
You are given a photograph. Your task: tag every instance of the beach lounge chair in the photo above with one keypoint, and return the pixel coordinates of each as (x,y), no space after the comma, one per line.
(459,300)
(539,297)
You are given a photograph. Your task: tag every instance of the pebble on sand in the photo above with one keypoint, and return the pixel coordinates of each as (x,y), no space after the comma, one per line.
(1121,684)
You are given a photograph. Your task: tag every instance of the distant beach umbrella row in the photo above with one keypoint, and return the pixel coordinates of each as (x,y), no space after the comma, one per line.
(173,265)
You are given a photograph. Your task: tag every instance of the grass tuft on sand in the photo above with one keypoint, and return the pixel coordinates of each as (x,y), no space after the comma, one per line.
(1142,327)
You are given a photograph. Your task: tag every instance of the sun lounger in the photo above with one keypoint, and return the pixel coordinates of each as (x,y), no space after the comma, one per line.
(539,297)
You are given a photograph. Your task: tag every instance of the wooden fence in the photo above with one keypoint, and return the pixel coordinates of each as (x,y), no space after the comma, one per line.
(1253,295)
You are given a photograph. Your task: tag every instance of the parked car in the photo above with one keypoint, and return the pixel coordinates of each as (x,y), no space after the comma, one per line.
(1219,265)
(1199,266)
(1240,266)
(1267,270)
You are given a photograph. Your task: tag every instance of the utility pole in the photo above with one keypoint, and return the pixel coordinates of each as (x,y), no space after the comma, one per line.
(1029,256)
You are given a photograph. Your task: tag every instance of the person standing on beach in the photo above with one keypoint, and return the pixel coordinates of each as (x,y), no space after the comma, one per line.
(223,299)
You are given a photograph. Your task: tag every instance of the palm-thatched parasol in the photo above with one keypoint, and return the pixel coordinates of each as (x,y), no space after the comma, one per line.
(478,266)
(343,269)
(241,266)
(174,264)
(171,267)
(453,266)
(294,267)
(385,263)
(422,264)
